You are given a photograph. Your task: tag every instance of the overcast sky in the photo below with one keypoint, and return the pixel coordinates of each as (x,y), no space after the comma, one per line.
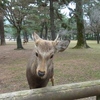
(66,11)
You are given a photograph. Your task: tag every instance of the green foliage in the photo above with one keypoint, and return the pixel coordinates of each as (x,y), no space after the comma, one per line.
(2,3)
(10,30)
(28,15)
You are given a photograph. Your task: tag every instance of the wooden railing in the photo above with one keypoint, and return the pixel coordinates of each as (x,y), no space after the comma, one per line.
(60,92)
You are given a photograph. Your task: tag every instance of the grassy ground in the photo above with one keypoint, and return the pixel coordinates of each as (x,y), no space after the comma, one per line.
(75,65)
(72,65)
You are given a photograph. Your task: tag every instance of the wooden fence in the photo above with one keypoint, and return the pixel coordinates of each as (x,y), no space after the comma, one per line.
(60,92)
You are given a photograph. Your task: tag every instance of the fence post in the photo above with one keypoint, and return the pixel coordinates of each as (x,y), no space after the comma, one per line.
(98,97)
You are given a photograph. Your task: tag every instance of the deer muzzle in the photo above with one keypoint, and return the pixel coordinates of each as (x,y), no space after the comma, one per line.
(41,73)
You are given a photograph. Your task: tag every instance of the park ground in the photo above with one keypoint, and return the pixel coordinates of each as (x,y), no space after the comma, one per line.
(71,66)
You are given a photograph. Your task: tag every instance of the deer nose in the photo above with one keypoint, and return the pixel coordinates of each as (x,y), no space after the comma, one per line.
(41,73)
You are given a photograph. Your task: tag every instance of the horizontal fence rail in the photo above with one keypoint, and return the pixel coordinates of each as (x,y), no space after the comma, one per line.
(60,92)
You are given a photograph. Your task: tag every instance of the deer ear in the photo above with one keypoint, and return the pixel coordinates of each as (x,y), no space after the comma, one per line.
(62,45)
(35,36)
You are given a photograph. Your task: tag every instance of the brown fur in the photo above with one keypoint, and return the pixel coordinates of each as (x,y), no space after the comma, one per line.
(34,80)
(40,67)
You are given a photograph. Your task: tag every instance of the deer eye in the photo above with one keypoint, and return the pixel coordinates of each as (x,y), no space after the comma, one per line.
(51,56)
(37,54)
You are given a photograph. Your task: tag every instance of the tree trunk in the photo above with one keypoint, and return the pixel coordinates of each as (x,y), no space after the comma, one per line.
(19,42)
(81,40)
(42,27)
(98,38)
(46,31)
(52,20)
(2,36)
(25,36)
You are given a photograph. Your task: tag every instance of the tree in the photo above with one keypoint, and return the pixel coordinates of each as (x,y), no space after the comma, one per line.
(2,35)
(52,20)
(95,20)
(81,40)
(51,16)
(55,15)
(92,11)
(43,15)
(15,12)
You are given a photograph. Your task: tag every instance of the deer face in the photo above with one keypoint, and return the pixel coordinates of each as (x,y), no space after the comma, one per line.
(44,52)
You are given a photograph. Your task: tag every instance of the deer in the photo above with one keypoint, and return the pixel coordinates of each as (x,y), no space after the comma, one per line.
(25,40)
(40,67)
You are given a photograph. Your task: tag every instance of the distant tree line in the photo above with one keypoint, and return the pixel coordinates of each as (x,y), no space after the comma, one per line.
(45,17)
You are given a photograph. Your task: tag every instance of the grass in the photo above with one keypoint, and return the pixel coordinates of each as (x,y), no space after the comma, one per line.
(72,65)
(75,65)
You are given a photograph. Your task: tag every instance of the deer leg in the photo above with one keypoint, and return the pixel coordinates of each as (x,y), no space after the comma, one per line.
(52,81)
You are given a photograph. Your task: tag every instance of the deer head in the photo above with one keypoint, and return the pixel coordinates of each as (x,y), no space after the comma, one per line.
(44,52)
